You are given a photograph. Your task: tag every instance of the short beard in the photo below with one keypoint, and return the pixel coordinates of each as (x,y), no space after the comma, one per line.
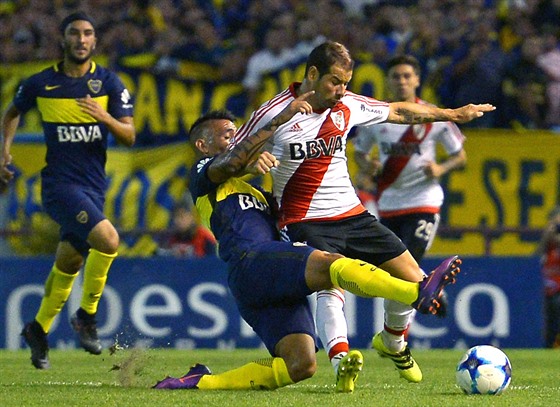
(79,61)
(74,59)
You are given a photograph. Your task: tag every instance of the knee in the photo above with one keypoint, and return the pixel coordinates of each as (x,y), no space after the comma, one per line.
(302,369)
(104,238)
(70,264)
(330,258)
(111,243)
(317,272)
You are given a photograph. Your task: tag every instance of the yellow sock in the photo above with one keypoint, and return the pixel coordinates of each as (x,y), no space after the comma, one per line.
(95,276)
(366,280)
(57,290)
(263,374)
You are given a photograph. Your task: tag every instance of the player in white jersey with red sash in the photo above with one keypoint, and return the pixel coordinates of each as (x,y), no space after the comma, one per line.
(313,183)
(318,204)
(407,172)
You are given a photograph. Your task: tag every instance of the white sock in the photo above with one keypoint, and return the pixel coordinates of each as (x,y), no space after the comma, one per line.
(335,361)
(331,322)
(395,343)
(398,317)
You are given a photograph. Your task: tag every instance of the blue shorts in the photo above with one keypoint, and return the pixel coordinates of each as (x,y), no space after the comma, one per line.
(271,293)
(76,209)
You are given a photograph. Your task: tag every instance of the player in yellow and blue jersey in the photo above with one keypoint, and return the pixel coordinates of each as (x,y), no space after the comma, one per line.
(271,279)
(80,103)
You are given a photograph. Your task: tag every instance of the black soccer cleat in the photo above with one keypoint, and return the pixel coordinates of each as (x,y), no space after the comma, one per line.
(36,339)
(87,333)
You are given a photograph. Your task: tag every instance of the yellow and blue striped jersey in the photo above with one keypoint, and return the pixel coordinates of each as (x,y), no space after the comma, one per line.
(238,213)
(76,142)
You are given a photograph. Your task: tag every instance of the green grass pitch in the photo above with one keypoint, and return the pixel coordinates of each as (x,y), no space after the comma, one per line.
(124,379)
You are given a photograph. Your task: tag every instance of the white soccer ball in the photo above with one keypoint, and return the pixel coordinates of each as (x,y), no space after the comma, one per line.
(483,369)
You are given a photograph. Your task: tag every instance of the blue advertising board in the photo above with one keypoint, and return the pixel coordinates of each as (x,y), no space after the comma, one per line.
(167,302)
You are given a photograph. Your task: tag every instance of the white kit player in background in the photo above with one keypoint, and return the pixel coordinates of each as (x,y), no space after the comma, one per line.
(407,173)
(317,201)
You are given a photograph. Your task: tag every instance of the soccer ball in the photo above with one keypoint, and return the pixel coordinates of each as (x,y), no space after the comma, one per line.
(483,369)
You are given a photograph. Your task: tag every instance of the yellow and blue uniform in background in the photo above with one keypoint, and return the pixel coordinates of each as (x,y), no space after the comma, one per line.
(73,181)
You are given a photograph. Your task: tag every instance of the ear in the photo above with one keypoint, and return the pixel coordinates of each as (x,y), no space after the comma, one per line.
(201,146)
(313,73)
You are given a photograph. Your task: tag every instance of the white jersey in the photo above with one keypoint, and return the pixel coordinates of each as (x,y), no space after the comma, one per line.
(312,181)
(404,150)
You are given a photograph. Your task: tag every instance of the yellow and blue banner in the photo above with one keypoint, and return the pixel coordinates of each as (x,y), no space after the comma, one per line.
(496,205)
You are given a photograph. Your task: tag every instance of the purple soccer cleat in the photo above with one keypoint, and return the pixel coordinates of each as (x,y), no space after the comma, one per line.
(188,381)
(431,288)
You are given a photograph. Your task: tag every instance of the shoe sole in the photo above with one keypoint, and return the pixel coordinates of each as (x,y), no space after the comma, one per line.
(451,269)
(350,366)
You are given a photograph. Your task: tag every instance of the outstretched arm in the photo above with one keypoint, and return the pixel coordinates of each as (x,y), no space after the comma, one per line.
(234,161)
(415,113)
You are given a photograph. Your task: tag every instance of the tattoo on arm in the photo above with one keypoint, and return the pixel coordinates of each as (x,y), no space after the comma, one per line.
(414,118)
(413,113)
(244,151)
(235,160)
(271,125)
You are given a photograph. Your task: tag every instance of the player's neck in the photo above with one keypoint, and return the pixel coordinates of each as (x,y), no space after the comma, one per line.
(75,70)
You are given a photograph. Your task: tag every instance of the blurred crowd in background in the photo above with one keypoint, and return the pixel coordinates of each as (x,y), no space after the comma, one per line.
(504,52)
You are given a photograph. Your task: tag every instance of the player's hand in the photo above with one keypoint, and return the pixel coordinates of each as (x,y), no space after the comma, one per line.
(264,164)
(471,111)
(6,174)
(298,105)
(433,170)
(94,109)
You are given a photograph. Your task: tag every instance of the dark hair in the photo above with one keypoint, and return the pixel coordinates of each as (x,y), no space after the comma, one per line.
(405,60)
(79,15)
(222,114)
(329,53)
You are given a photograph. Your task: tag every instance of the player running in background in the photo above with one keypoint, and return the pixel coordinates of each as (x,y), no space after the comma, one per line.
(409,195)
(269,278)
(318,203)
(80,102)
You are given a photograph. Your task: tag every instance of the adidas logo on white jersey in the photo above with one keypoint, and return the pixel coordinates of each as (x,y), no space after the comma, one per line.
(295,127)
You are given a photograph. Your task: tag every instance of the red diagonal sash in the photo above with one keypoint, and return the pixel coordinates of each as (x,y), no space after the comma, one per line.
(396,163)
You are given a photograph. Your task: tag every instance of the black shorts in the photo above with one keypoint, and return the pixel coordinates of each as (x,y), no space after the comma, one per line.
(360,237)
(416,230)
